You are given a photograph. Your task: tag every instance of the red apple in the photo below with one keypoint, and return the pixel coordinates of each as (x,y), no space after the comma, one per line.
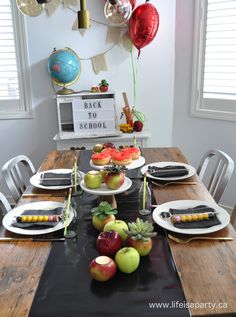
(103,88)
(138,126)
(108,243)
(109,145)
(114,180)
(143,247)
(102,268)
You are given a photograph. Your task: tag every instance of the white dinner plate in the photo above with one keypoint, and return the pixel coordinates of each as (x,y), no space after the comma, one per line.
(35,179)
(104,191)
(222,215)
(191,170)
(134,164)
(43,205)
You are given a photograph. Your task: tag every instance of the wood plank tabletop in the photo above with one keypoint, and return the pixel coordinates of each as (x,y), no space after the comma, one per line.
(207,269)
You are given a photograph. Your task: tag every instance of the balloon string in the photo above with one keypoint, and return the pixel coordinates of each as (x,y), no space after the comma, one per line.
(139,51)
(134,75)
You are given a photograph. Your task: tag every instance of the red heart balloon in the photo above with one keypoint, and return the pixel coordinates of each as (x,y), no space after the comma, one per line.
(143,25)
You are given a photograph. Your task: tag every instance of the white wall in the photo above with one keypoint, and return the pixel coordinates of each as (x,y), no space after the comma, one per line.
(155,78)
(195,135)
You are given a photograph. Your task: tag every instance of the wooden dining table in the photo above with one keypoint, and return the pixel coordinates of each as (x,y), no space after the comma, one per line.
(206,268)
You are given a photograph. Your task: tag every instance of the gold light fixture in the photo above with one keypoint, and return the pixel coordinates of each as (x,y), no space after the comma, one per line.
(83,16)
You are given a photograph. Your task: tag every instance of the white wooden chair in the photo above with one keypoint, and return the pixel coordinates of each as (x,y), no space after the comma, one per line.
(16,173)
(4,204)
(215,170)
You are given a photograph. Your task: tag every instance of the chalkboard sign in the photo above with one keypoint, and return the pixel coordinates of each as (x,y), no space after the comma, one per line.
(94,115)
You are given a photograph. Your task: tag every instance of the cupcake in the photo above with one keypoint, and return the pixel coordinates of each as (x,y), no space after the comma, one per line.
(121,158)
(102,158)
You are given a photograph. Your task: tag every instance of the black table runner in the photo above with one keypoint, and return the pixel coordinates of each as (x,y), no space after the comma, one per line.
(67,289)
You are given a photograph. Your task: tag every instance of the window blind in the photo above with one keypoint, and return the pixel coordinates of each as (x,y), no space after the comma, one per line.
(220,51)
(9,86)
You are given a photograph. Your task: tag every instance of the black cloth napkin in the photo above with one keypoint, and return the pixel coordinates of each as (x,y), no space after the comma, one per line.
(167,171)
(55,179)
(38,225)
(67,289)
(207,223)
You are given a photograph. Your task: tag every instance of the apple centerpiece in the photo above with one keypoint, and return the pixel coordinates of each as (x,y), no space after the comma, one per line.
(115,176)
(140,235)
(127,259)
(102,214)
(102,268)
(93,179)
(119,226)
(108,243)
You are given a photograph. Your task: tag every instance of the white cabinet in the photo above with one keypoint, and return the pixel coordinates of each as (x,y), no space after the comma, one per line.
(85,119)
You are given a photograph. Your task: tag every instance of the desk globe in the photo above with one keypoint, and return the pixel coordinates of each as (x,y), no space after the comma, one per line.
(64,67)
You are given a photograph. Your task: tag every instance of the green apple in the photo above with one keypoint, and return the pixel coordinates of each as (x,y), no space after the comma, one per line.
(127,259)
(103,173)
(98,148)
(93,179)
(99,223)
(118,226)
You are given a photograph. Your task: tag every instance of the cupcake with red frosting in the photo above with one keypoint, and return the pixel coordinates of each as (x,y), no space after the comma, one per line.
(121,158)
(102,158)
(109,151)
(133,151)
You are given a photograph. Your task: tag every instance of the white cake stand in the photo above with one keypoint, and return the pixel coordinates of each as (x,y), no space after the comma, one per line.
(107,194)
(134,164)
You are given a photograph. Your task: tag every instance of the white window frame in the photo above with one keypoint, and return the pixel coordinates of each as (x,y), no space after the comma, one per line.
(216,108)
(25,102)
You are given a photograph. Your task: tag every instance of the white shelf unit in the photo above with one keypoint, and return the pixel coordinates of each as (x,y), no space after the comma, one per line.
(68,136)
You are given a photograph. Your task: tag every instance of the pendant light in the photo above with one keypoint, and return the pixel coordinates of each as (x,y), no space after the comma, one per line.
(117,12)
(83,16)
(31,8)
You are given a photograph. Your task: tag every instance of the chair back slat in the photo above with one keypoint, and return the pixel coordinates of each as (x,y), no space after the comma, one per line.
(217,167)
(16,173)
(5,206)
(13,183)
(233,217)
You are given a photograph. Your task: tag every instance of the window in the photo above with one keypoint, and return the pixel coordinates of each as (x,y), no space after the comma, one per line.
(15,98)
(214,60)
